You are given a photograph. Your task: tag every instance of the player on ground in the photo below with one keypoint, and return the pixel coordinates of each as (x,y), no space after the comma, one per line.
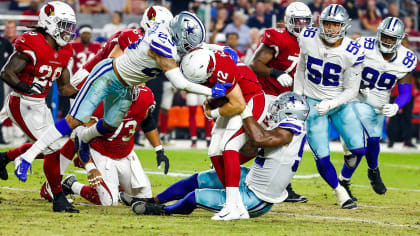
(276,58)
(328,74)
(280,134)
(112,81)
(41,57)
(386,63)
(208,67)
(113,162)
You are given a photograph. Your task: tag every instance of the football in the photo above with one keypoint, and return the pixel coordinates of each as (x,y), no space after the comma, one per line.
(214,103)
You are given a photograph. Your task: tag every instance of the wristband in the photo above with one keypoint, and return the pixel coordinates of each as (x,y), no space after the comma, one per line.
(23,87)
(245,113)
(89,166)
(215,113)
(158,148)
(275,73)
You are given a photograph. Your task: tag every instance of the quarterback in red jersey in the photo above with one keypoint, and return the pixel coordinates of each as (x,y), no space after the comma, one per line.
(209,67)
(113,162)
(84,50)
(277,56)
(40,58)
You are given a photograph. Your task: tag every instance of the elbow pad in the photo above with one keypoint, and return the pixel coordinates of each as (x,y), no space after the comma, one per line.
(148,124)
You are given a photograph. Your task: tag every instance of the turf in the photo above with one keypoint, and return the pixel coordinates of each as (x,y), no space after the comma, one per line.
(23,212)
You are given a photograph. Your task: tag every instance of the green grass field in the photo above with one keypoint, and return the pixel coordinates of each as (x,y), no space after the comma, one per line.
(23,212)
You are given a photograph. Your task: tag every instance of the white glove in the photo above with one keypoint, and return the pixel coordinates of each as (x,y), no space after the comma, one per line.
(36,88)
(390,109)
(285,80)
(78,77)
(325,106)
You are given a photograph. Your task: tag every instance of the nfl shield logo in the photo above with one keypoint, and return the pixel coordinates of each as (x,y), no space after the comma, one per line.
(55,55)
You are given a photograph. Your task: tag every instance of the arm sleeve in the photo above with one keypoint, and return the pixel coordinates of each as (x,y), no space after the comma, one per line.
(148,124)
(404,95)
(352,77)
(299,76)
(178,80)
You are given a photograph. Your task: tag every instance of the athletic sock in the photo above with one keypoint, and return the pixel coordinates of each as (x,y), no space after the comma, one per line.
(219,167)
(52,171)
(179,189)
(183,206)
(94,131)
(232,168)
(372,152)
(192,110)
(163,117)
(208,125)
(327,171)
(90,194)
(12,154)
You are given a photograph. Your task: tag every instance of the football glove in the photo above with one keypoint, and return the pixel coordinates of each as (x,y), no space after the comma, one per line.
(232,53)
(36,88)
(219,90)
(285,80)
(161,157)
(390,109)
(325,106)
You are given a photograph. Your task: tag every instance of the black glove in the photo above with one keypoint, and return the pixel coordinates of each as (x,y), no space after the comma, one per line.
(161,157)
(36,88)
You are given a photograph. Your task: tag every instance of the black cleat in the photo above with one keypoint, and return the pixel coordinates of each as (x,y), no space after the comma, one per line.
(349,204)
(67,183)
(294,197)
(376,181)
(145,208)
(128,201)
(60,204)
(346,184)
(4,160)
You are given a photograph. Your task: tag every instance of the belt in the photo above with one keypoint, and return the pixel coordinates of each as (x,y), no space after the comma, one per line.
(27,98)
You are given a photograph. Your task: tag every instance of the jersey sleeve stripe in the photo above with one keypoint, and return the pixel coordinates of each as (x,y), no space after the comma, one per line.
(292,127)
(360,58)
(166,49)
(160,51)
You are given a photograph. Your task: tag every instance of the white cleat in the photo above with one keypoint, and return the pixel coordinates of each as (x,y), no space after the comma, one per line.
(231,213)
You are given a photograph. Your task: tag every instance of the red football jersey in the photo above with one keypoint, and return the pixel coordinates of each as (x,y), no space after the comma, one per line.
(119,144)
(123,38)
(226,71)
(82,53)
(46,63)
(286,57)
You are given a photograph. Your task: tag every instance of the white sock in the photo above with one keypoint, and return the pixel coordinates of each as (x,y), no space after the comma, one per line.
(231,195)
(48,138)
(90,133)
(64,163)
(343,178)
(77,188)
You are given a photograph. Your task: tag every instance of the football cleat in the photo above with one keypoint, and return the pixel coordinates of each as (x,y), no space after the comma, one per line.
(376,181)
(61,204)
(231,213)
(128,201)
(344,198)
(294,197)
(4,160)
(146,208)
(46,192)
(346,184)
(67,183)
(21,169)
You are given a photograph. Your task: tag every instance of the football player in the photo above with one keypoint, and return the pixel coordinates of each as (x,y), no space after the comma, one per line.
(386,63)
(328,74)
(41,57)
(84,50)
(208,67)
(193,101)
(276,58)
(113,80)
(280,133)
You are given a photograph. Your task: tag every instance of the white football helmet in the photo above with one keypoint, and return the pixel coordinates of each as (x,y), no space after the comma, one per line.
(198,65)
(334,13)
(297,17)
(59,21)
(391,27)
(155,14)
(187,31)
(287,105)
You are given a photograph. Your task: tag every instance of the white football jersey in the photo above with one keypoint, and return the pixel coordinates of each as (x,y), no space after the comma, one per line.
(274,167)
(136,66)
(380,76)
(325,66)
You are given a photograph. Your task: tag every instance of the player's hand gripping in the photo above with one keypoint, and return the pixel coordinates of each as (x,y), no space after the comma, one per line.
(36,88)
(390,110)
(94,178)
(219,90)
(285,80)
(161,157)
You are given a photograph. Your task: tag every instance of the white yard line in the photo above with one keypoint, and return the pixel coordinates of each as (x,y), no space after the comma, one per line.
(345,219)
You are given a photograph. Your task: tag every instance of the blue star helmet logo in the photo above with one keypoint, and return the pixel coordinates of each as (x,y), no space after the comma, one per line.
(292,99)
(190,30)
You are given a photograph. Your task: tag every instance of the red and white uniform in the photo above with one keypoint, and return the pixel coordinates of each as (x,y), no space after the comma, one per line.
(123,38)
(82,53)
(227,133)
(114,156)
(30,112)
(285,58)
